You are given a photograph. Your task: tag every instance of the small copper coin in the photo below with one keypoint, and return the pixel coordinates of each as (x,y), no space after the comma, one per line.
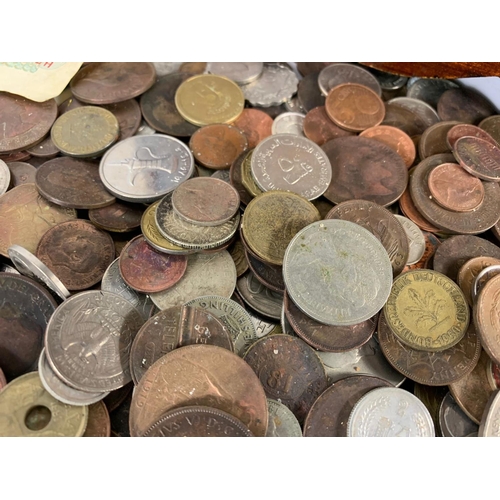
(110,82)
(98,424)
(479,157)
(290,371)
(77,253)
(217,146)
(464,105)
(434,140)
(148,271)
(24,122)
(365,169)
(466,129)
(330,412)
(354,107)
(118,217)
(453,188)
(309,94)
(44,149)
(72,183)
(468,272)
(410,210)
(255,124)
(21,173)
(236,178)
(320,129)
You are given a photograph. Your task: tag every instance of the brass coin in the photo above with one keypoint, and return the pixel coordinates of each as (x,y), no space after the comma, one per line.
(237,252)
(247,177)
(206,99)
(236,178)
(85,132)
(427,311)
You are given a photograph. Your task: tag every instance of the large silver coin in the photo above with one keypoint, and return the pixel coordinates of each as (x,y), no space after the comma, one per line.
(88,340)
(453,421)
(339,73)
(240,72)
(289,123)
(291,163)
(144,168)
(4,177)
(390,412)
(337,272)
(282,422)
(490,423)
(416,239)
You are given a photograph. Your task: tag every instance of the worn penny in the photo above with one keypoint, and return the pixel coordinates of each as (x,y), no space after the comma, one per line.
(466,129)
(320,129)
(255,124)
(479,157)
(118,217)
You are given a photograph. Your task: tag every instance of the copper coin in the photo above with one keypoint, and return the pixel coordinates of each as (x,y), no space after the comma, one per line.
(381,223)
(21,173)
(354,107)
(16,156)
(77,253)
(72,183)
(195,68)
(453,188)
(110,82)
(469,271)
(309,94)
(365,169)
(330,412)
(197,421)
(3,380)
(204,375)
(290,371)
(430,368)
(464,105)
(44,149)
(98,424)
(434,139)
(255,124)
(396,139)
(118,217)
(320,129)
(128,114)
(159,109)
(24,122)
(466,129)
(148,271)
(404,119)
(269,275)
(479,157)
(410,210)
(236,178)
(491,125)
(217,146)
(205,201)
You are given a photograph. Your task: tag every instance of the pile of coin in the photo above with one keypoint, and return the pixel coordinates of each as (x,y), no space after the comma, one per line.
(250,249)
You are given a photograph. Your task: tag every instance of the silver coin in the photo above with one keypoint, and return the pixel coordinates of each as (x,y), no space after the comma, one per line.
(222,174)
(282,422)
(291,163)
(293,105)
(337,272)
(29,265)
(165,68)
(390,412)
(145,168)
(234,317)
(259,297)
(453,421)
(429,90)
(479,282)
(289,123)
(112,281)
(4,177)
(427,114)
(276,84)
(389,81)
(263,326)
(339,73)
(240,72)
(145,129)
(206,274)
(5,268)
(61,391)
(490,423)
(416,239)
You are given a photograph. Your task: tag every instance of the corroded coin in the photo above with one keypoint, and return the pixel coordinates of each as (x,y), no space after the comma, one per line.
(453,421)
(240,72)
(464,105)
(320,129)
(479,157)
(21,173)
(466,129)
(416,240)
(337,272)
(289,123)
(99,424)
(341,73)
(205,375)
(119,217)
(282,422)
(490,423)
(469,271)
(255,124)
(72,183)
(77,253)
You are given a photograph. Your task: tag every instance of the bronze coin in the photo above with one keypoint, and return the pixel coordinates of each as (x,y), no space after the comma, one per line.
(98,424)
(204,375)
(217,146)
(410,210)
(434,139)
(404,119)
(466,129)
(24,122)
(72,183)
(128,114)
(255,124)
(354,107)
(430,368)
(195,68)
(269,275)
(236,178)
(21,173)
(119,217)
(464,105)
(320,129)
(381,223)
(365,169)
(325,337)
(197,421)
(77,253)
(479,157)
(491,125)
(308,92)
(110,82)
(330,412)
(289,370)
(44,149)
(25,310)
(148,271)
(453,188)
(396,139)
(159,109)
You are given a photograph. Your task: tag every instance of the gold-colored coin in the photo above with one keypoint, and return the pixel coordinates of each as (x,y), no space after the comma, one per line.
(237,252)
(27,409)
(86,131)
(206,99)
(272,219)
(427,311)
(247,178)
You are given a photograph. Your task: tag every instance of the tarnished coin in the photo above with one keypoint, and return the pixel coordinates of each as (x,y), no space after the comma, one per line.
(429,90)
(469,271)
(237,252)
(491,125)
(165,68)
(340,73)
(77,253)
(490,423)
(481,279)
(309,94)
(72,183)
(434,139)
(408,208)
(416,240)
(269,275)
(390,412)
(240,72)
(282,422)
(204,375)
(320,129)
(15,156)
(27,409)
(337,272)
(236,178)
(4,177)
(142,169)
(479,157)
(145,129)
(389,81)
(453,421)
(99,424)
(262,299)
(466,129)
(110,82)
(247,178)
(404,119)
(289,123)
(255,124)
(119,217)
(464,105)
(424,111)
(21,173)
(427,311)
